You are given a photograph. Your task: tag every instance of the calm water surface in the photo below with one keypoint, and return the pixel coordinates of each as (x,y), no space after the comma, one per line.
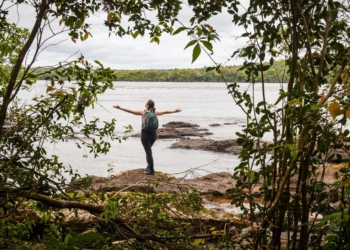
(201,103)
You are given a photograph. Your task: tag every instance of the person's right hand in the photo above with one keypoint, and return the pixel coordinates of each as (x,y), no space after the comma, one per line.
(116,106)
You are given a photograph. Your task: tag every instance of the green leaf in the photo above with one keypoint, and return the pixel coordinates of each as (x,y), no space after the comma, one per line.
(179,30)
(67,238)
(99,63)
(196,52)
(135,34)
(156,39)
(191,43)
(316,106)
(209,69)
(208,45)
(293,150)
(251,173)
(199,31)
(283,95)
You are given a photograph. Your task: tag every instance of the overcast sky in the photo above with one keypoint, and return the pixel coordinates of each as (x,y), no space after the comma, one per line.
(139,53)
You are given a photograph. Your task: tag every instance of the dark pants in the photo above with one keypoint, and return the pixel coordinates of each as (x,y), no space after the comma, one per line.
(147,139)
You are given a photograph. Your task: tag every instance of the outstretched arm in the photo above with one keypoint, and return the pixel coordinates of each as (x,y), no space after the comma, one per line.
(134,112)
(168,112)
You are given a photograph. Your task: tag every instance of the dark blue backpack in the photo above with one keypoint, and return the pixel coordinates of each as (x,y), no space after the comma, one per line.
(151,121)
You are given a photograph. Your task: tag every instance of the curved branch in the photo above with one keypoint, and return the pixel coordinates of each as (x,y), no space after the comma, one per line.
(63,203)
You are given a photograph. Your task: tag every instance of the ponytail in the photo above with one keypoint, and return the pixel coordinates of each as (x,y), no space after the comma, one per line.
(151,107)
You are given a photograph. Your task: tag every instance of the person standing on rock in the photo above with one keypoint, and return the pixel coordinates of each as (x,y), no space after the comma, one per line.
(148,136)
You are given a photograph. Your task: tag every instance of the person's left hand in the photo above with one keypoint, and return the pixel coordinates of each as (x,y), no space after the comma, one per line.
(178,110)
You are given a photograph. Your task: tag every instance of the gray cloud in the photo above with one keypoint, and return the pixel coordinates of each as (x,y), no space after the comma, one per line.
(129,53)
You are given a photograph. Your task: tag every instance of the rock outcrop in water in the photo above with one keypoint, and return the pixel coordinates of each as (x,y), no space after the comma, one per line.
(180,125)
(224,146)
(174,130)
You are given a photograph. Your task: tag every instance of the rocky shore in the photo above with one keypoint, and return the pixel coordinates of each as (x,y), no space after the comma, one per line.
(211,186)
(188,133)
(217,184)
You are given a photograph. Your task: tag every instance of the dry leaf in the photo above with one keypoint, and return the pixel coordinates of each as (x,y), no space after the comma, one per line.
(334,109)
(74,92)
(110,16)
(49,88)
(346,182)
(86,36)
(348,113)
(322,98)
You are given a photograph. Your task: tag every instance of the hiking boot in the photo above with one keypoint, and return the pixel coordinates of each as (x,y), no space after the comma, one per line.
(149,171)
(147,168)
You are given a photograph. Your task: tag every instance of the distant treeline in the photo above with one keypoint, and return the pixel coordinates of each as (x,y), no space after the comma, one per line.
(231,74)
(274,74)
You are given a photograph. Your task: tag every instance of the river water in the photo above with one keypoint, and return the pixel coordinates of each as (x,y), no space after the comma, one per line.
(201,103)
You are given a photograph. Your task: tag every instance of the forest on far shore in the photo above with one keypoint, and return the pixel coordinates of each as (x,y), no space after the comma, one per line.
(274,74)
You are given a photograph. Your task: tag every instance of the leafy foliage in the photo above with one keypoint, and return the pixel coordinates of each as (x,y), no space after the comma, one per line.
(313,39)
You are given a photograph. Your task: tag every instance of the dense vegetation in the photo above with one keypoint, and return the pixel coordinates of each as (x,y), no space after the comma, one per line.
(274,74)
(308,122)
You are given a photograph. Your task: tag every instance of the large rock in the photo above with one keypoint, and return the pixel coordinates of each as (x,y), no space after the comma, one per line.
(180,125)
(132,180)
(225,146)
(169,133)
(218,184)
(174,130)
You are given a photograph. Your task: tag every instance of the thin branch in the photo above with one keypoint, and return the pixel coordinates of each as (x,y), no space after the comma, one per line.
(33,132)
(19,61)
(325,42)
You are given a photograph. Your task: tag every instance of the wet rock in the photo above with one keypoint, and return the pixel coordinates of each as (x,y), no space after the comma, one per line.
(230,123)
(225,146)
(216,184)
(214,125)
(180,125)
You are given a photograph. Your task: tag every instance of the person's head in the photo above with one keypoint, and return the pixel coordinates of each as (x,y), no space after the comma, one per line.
(150,106)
